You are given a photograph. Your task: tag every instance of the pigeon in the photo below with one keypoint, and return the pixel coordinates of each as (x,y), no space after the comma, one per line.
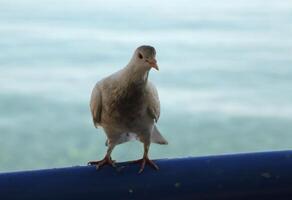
(126,105)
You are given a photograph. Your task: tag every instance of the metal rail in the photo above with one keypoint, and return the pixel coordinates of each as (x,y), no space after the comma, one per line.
(259,176)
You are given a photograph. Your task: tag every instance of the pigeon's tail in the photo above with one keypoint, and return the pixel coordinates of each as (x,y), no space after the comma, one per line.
(156,137)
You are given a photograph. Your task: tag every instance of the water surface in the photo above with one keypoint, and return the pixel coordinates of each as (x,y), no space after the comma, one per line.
(225,79)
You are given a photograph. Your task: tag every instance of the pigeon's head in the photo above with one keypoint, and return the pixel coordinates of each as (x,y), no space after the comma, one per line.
(144,56)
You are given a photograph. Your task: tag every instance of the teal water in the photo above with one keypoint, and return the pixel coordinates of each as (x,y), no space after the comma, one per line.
(225,79)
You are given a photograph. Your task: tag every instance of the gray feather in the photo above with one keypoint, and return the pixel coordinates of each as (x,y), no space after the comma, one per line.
(156,137)
(96,105)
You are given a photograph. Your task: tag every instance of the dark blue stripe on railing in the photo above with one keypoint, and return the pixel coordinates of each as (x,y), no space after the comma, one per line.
(258,176)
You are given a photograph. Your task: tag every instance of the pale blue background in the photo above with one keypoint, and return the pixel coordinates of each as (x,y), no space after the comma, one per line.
(225,81)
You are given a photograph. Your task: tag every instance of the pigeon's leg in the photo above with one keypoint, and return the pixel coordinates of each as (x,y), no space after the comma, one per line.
(145,160)
(107,160)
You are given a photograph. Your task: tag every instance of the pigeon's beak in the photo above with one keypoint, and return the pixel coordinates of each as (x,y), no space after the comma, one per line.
(153,63)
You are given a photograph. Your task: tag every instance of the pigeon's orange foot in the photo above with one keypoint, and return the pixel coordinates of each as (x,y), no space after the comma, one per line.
(100,163)
(145,161)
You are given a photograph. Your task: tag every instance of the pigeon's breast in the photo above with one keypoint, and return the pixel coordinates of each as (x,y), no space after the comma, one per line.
(128,104)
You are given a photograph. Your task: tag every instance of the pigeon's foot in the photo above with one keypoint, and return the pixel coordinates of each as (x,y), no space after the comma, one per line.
(106,161)
(145,161)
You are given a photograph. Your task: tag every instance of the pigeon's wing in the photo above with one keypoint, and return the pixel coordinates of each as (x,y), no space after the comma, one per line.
(154,112)
(153,101)
(96,105)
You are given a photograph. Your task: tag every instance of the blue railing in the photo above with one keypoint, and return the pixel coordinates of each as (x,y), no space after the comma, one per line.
(249,176)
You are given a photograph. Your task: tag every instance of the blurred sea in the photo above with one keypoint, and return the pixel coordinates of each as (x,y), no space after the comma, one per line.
(225,79)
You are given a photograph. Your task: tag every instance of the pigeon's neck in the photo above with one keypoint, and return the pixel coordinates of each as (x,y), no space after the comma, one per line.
(137,74)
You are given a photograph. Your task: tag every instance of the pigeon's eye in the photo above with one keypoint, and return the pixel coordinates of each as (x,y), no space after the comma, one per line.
(140,55)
